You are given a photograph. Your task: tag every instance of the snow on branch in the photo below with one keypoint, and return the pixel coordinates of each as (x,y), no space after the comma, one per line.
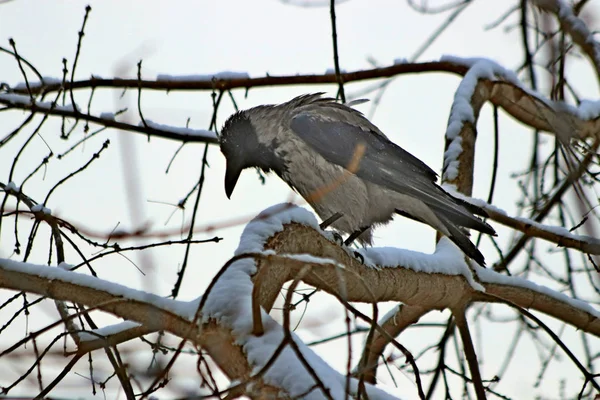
(224,81)
(404,279)
(576,28)
(530,108)
(555,234)
(277,246)
(153,312)
(108,120)
(183,131)
(484,81)
(223,75)
(286,371)
(22,100)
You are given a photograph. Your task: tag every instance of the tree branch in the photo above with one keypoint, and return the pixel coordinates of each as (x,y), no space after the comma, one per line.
(355,282)
(216,339)
(151,129)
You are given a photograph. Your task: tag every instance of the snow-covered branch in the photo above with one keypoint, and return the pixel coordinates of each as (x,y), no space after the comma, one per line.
(554,234)
(153,312)
(486,81)
(435,281)
(576,28)
(530,108)
(286,240)
(182,134)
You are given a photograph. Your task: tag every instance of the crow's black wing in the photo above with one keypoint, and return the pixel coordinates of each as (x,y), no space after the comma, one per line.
(383,163)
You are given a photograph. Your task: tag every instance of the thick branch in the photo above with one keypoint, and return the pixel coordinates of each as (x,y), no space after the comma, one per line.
(531,110)
(247,83)
(401,284)
(465,139)
(404,317)
(355,282)
(217,340)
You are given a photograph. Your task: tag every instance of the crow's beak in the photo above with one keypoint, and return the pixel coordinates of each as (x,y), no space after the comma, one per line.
(231,177)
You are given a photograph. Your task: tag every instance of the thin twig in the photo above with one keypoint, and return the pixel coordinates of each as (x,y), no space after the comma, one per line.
(336,60)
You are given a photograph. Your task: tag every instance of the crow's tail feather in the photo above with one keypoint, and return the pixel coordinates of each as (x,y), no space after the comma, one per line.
(461,239)
(458,235)
(460,212)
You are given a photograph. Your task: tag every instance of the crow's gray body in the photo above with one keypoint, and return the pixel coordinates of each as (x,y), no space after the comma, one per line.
(310,140)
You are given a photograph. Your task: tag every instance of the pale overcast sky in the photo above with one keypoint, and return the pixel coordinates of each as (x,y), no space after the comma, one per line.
(257,37)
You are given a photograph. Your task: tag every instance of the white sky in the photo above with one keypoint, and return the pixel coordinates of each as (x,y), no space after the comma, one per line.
(258,37)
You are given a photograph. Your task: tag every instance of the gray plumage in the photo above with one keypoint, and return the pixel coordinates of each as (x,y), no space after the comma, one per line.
(310,140)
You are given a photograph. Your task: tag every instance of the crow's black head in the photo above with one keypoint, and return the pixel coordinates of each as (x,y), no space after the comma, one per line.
(243,148)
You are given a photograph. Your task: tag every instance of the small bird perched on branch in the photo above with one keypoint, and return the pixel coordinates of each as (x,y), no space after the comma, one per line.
(344,165)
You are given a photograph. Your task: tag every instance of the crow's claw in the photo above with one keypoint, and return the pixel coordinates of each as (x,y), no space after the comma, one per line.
(359,257)
(338,238)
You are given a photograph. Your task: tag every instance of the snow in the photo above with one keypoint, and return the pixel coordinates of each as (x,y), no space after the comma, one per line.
(451,169)
(235,312)
(451,189)
(455,148)
(65,266)
(494,69)
(390,314)
(11,186)
(451,159)
(107,330)
(557,230)
(230,303)
(447,259)
(565,13)
(46,80)
(230,300)
(331,71)
(23,100)
(42,209)
(588,109)
(400,60)
(489,276)
(107,115)
(461,111)
(184,309)
(310,259)
(225,75)
(270,221)
(180,130)
(484,68)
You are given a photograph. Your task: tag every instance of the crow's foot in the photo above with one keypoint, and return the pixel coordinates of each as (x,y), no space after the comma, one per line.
(359,257)
(338,238)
